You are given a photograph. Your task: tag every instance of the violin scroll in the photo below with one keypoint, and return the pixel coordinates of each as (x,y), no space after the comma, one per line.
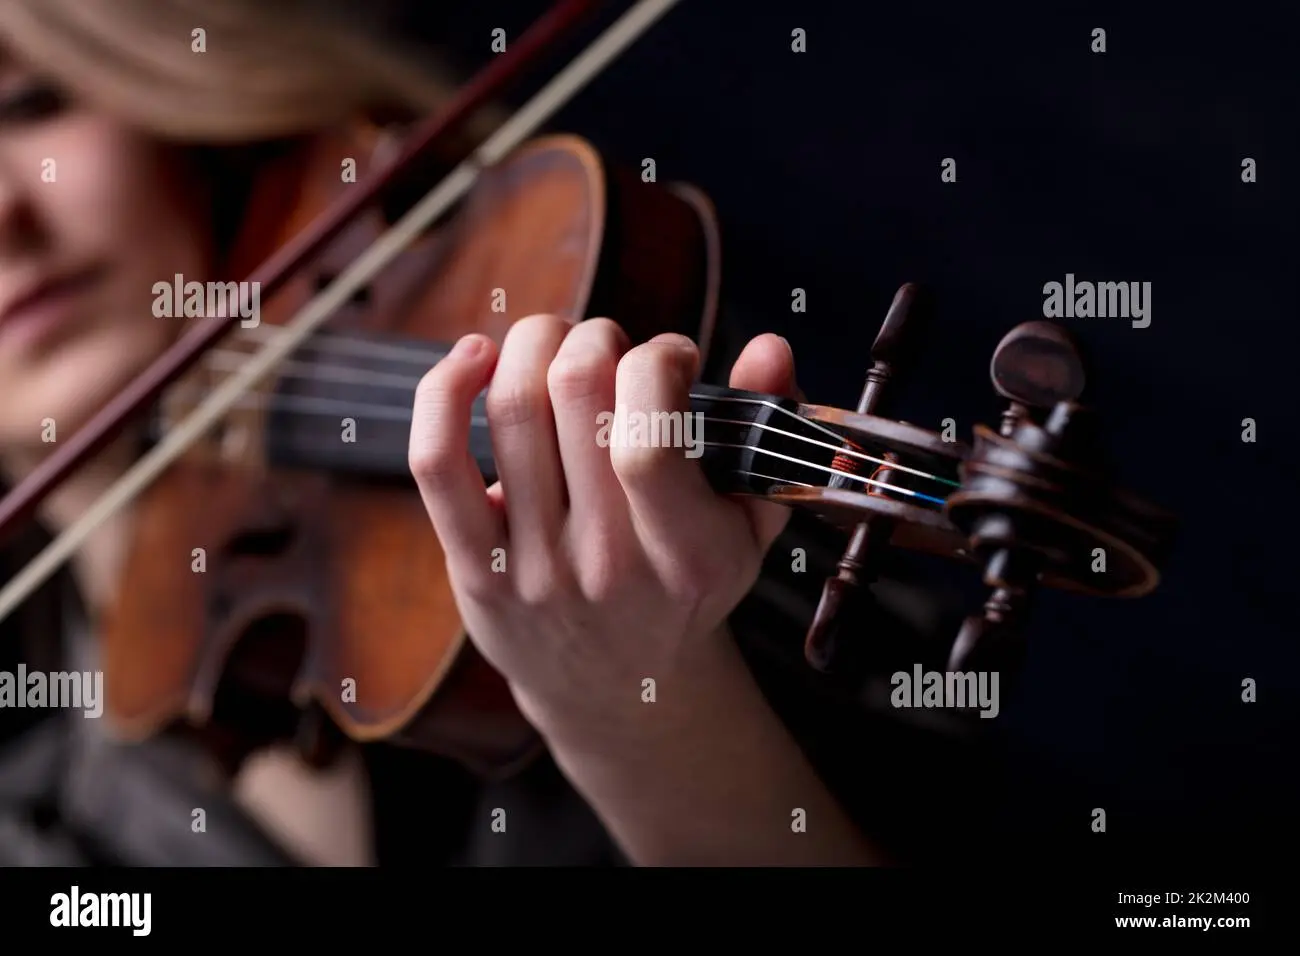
(1030,503)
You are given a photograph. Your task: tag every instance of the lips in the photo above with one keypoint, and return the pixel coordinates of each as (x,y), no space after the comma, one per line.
(37,299)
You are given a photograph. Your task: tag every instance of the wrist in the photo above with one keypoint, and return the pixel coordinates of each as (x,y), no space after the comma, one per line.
(653,707)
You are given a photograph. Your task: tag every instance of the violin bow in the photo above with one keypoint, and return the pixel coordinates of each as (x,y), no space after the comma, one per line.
(22,503)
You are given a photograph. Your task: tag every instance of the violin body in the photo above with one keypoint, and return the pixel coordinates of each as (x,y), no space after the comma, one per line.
(285,568)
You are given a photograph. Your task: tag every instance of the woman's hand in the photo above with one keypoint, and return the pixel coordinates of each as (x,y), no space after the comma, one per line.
(594,567)
(590,566)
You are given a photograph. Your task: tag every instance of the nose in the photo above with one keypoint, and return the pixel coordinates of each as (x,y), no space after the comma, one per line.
(18,221)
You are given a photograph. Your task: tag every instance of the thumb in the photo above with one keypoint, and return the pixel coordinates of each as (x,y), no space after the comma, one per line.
(766,365)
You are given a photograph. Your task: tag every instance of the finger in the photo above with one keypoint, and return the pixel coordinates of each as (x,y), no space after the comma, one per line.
(449,480)
(523,436)
(581,382)
(766,365)
(674,509)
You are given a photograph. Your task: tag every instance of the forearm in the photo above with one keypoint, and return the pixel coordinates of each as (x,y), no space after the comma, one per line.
(708,775)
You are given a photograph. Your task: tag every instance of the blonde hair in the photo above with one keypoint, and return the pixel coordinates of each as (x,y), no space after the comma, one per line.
(266,69)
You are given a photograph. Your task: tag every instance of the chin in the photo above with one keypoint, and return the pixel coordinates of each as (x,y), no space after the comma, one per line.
(29,423)
(70,384)
(70,399)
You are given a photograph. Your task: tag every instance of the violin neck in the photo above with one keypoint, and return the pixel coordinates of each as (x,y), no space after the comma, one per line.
(347,410)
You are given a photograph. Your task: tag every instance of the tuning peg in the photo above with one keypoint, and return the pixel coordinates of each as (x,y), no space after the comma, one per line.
(1035,366)
(894,342)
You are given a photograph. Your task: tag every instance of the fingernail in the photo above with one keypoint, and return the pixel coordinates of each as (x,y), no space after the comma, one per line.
(672,338)
(469,347)
(788,347)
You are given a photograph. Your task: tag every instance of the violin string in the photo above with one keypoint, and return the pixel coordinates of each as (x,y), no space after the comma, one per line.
(429,357)
(224,360)
(848,452)
(833,471)
(344,343)
(316,405)
(345,375)
(872,482)
(413,352)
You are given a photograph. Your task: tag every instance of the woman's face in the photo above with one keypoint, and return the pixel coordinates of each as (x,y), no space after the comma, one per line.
(92,215)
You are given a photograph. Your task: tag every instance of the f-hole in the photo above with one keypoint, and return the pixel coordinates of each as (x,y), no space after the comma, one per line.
(253,698)
(253,695)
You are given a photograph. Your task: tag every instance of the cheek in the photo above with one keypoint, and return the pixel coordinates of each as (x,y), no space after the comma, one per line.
(157,233)
(131,204)
(70,385)
(122,201)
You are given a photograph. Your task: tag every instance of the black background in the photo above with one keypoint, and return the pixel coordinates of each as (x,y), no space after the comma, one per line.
(1120,166)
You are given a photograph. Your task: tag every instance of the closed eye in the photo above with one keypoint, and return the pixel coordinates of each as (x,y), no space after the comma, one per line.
(31,102)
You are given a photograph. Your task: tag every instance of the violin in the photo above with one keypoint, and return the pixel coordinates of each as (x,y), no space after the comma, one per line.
(283,580)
